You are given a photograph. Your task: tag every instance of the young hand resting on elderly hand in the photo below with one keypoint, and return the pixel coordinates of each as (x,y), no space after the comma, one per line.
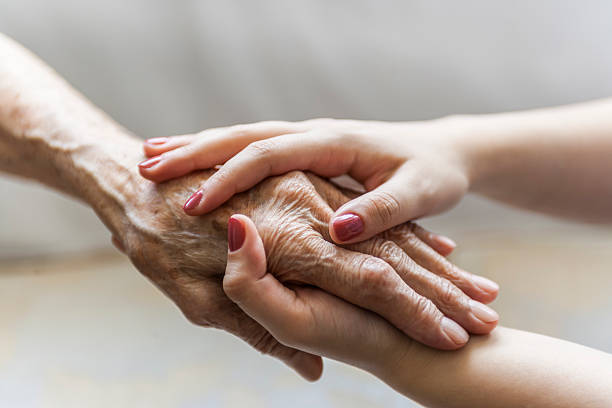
(549,160)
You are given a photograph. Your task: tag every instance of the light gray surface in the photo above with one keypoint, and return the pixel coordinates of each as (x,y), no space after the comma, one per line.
(163,67)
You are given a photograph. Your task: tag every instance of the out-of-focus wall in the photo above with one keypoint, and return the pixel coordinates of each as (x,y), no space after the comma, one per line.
(162,67)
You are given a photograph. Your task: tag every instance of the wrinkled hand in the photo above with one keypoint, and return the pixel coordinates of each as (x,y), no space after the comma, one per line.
(395,275)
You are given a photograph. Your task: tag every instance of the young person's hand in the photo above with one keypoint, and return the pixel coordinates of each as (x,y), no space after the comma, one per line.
(304,317)
(409,169)
(508,368)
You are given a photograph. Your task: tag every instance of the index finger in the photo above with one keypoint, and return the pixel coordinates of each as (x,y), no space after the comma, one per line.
(322,154)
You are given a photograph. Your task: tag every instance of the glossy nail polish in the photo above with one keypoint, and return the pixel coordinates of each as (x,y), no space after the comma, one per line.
(157,140)
(193,201)
(347,226)
(483,313)
(235,234)
(147,164)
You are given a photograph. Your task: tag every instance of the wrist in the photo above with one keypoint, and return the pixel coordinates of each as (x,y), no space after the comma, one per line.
(473,141)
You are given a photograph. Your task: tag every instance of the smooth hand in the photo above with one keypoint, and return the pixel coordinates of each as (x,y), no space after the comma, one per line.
(409,169)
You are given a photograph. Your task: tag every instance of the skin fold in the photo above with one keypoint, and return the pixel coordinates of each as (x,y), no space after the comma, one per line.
(52,134)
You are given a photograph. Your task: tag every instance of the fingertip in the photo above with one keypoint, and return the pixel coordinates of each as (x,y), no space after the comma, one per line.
(242,236)
(193,202)
(204,200)
(246,262)
(151,169)
(346,228)
(444,245)
(308,366)
(455,333)
(154,146)
(487,288)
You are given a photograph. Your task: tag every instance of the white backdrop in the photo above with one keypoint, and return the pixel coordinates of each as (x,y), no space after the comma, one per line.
(166,67)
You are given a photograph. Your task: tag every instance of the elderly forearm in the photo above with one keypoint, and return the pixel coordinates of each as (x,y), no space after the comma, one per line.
(51,133)
(554,160)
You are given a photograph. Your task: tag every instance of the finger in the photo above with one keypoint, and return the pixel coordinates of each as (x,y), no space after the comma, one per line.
(405,196)
(209,148)
(204,303)
(256,292)
(158,145)
(309,366)
(476,287)
(448,298)
(373,284)
(440,243)
(325,156)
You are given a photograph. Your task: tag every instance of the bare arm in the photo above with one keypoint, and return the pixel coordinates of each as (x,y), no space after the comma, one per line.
(508,368)
(554,160)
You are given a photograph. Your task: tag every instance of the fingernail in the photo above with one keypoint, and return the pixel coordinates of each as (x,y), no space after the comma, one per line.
(157,140)
(485,284)
(235,234)
(483,313)
(347,226)
(454,331)
(444,241)
(193,201)
(149,163)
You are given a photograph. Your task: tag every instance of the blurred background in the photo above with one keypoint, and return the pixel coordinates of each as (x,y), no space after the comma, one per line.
(80,327)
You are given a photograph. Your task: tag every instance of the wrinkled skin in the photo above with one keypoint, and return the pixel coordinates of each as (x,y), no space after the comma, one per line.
(52,134)
(185,256)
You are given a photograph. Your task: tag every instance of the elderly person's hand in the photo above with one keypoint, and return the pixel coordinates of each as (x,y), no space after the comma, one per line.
(396,275)
(50,133)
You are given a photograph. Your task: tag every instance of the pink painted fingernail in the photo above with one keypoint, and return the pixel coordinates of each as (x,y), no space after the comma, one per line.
(347,226)
(485,284)
(483,312)
(157,140)
(147,164)
(235,234)
(456,333)
(193,201)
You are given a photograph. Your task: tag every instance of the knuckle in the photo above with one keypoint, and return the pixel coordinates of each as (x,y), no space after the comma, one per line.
(450,297)
(376,275)
(240,130)
(424,311)
(265,343)
(261,148)
(389,251)
(384,207)
(448,271)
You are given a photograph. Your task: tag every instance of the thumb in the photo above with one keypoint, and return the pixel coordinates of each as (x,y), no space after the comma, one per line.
(260,295)
(406,196)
